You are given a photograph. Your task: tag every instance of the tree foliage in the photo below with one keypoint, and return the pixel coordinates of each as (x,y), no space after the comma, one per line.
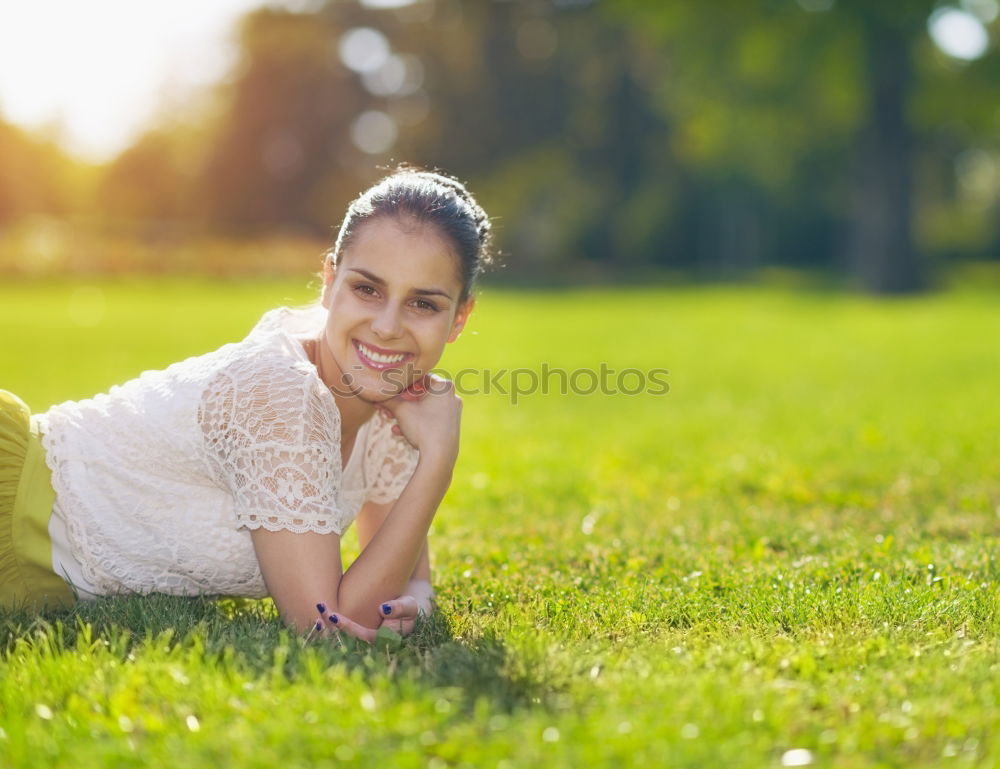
(606,135)
(36,176)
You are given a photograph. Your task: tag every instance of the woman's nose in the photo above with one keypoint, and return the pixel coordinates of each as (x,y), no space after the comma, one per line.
(387,324)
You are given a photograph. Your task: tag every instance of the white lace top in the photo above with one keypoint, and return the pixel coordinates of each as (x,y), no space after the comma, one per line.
(160,480)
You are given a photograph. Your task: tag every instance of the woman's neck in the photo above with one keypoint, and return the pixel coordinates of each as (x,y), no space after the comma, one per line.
(354,411)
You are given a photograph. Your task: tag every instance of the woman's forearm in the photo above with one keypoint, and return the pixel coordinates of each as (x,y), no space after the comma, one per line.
(390,558)
(371,517)
(422,571)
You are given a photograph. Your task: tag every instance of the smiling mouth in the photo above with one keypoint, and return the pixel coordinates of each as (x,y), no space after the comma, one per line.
(377,359)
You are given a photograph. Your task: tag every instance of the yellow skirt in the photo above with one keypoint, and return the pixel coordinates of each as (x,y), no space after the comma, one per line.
(27,579)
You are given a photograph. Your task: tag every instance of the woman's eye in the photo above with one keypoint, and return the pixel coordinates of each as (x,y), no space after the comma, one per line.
(365,290)
(423,304)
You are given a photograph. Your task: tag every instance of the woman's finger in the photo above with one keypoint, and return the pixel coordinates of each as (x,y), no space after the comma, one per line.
(439,385)
(404,628)
(351,628)
(414,392)
(402,608)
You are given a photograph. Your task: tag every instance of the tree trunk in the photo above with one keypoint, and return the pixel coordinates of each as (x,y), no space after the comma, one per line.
(882,256)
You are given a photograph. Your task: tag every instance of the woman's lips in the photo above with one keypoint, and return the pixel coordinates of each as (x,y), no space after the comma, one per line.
(378,358)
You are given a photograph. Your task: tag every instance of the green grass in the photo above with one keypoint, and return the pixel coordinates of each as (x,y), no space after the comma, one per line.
(796,548)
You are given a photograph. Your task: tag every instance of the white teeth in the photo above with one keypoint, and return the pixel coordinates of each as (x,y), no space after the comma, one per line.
(378,357)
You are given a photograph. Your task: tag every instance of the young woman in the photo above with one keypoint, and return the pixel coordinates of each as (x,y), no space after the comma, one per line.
(238,471)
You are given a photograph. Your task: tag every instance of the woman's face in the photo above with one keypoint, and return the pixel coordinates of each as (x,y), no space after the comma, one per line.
(393,304)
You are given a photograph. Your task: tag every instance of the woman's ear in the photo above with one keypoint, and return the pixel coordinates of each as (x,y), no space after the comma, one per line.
(329,273)
(461,317)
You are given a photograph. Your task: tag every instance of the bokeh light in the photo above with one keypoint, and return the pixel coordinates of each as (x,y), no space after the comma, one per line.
(374,132)
(364,49)
(399,75)
(958,33)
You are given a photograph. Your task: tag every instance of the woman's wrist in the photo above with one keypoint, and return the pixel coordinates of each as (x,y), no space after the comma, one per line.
(438,461)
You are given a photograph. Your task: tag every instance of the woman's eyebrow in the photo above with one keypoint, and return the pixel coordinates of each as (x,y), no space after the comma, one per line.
(432,292)
(419,291)
(370,275)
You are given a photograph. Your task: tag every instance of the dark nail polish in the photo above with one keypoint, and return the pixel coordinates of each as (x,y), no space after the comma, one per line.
(321,608)
(319,625)
(333,618)
(386,609)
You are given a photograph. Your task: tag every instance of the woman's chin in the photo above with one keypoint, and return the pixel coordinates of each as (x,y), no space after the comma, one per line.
(375,398)
(377,392)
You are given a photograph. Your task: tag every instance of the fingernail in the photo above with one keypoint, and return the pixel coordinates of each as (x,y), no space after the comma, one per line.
(333,618)
(319,625)
(386,609)
(321,608)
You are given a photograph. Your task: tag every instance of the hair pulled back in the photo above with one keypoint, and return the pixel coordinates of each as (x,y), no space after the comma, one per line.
(411,194)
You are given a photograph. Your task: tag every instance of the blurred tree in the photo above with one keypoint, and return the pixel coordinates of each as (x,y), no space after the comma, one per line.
(766,93)
(614,134)
(153,180)
(882,253)
(543,108)
(290,106)
(500,112)
(36,176)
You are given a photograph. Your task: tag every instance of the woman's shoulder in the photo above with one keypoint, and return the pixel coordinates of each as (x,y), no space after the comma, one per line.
(270,397)
(268,358)
(291,322)
(275,341)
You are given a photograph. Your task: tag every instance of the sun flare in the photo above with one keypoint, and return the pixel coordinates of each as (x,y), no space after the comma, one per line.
(95,73)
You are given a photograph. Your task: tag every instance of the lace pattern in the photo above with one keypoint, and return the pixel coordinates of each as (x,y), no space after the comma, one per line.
(274,442)
(389,462)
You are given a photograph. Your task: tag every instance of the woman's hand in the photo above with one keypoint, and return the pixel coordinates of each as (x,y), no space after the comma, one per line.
(428,415)
(400,615)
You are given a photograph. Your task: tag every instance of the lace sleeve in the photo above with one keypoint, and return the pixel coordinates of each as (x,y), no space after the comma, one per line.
(389,462)
(276,446)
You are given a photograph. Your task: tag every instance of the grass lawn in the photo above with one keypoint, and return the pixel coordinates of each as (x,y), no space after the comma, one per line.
(790,558)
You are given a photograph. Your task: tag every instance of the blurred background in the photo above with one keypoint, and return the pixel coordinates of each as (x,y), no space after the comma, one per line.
(853,141)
